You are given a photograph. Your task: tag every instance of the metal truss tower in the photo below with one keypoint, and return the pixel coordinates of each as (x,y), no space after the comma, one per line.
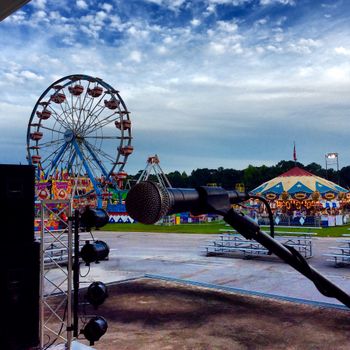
(153,168)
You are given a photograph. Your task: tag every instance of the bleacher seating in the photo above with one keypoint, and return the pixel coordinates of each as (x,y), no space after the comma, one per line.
(340,254)
(230,242)
(56,251)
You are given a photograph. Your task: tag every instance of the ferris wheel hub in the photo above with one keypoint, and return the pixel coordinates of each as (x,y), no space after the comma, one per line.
(69,135)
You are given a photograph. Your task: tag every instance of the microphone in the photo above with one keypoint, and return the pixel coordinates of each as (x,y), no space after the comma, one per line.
(147,201)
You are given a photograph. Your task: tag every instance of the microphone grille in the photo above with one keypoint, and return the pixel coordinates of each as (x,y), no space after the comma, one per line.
(147,202)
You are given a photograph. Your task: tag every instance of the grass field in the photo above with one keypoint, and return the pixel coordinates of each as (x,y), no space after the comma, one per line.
(215,227)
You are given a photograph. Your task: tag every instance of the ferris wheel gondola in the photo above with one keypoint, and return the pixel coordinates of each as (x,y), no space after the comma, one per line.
(81,126)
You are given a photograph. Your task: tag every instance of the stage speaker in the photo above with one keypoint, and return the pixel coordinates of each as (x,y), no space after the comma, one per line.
(17,205)
(20,259)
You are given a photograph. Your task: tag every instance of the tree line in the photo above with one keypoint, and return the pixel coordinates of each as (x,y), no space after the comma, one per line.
(251,177)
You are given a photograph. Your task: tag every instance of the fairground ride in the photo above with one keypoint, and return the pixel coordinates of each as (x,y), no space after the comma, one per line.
(80,128)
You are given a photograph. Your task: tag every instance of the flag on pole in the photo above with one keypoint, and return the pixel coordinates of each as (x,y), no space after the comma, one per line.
(294,153)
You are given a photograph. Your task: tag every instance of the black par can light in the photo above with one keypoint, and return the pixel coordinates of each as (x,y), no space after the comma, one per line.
(94,251)
(93,218)
(95,329)
(97,293)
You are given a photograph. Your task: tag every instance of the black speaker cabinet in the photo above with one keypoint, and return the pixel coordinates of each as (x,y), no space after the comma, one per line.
(19,272)
(17,204)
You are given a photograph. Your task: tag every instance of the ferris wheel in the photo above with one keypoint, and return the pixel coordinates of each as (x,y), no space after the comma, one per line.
(81,126)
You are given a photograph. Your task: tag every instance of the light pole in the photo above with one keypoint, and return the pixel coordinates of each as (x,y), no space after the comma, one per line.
(332,159)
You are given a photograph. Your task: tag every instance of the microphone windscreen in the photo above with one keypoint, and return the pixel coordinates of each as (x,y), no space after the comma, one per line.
(147,202)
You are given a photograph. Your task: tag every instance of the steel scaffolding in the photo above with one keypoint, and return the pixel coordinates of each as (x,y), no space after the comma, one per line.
(56,269)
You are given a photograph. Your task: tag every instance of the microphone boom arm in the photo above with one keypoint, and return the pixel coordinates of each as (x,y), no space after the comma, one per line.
(220,204)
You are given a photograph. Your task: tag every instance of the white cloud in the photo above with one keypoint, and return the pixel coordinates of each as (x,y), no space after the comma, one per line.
(173,5)
(81,4)
(107,7)
(31,75)
(168,40)
(17,18)
(138,33)
(136,56)
(342,51)
(281,2)
(338,74)
(229,2)
(304,46)
(40,4)
(195,22)
(217,48)
(162,50)
(203,80)
(227,26)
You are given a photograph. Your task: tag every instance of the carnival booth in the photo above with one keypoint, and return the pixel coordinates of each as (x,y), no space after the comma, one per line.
(303,196)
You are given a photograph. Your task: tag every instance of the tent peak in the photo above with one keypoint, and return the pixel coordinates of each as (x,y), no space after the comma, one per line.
(296,171)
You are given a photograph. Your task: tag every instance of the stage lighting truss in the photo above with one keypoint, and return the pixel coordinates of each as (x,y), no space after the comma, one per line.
(56,262)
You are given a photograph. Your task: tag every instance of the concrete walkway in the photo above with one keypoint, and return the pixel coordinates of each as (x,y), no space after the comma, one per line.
(181,256)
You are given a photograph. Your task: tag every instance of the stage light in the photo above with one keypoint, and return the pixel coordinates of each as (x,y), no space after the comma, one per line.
(97,293)
(93,218)
(95,329)
(94,252)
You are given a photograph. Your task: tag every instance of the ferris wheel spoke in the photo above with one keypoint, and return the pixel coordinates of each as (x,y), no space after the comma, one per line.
(85,114)
(100,152)
(70,159)
(58,157)
(50,143)
(45,163)
(91,112)
(51,129)
(76,109)
(82,104)
(67,114)
(87,167)
(93,118)
(102,123)
(60,120)
(104,137)
(95,158)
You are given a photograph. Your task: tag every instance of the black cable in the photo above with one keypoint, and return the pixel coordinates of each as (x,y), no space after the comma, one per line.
(49,339)
(85,274)
(267,205)
(92,236)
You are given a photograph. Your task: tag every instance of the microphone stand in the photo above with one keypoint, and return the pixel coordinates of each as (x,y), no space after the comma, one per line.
(220,204)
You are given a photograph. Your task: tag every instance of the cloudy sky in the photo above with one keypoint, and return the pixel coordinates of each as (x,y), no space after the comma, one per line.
(209,83)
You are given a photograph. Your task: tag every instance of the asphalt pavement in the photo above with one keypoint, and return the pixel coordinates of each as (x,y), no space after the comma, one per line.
(134,254)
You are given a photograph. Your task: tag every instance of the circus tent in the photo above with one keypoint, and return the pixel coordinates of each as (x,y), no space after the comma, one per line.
(300,185)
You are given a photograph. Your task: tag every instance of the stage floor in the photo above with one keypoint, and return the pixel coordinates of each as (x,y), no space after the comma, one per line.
(151,314)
